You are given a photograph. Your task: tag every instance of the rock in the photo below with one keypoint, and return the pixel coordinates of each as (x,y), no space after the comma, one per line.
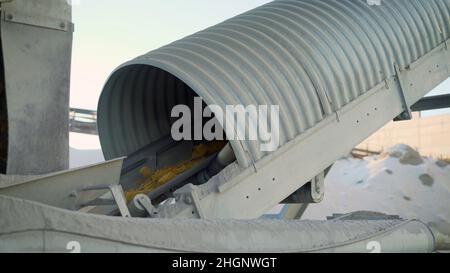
(427,180)
(396,154)
(406,155)
(442,163)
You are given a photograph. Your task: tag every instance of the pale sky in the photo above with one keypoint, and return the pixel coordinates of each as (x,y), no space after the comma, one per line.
(111,32)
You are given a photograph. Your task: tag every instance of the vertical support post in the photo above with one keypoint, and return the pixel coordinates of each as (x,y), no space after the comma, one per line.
(407,114)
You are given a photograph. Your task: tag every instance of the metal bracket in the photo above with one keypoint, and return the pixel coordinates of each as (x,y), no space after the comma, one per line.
(444,41)
(37,21)
(142,207)
(117,194)
(407,114)
(191,198)
(318,188)
(249,155)
(338,118)
(312,192)
(186,197)
(333,107)
(197,204)
(448,58)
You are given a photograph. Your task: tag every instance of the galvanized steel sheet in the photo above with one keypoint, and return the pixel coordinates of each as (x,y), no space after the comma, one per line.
(310,57)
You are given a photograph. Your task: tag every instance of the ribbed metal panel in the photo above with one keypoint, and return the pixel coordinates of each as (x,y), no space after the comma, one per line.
(310,57)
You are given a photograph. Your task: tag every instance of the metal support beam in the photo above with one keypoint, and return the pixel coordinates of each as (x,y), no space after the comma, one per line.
(312,192)
(36,41)
(406,114)
(432,103)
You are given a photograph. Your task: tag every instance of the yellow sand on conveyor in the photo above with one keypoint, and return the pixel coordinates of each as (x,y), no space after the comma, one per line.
(153,180)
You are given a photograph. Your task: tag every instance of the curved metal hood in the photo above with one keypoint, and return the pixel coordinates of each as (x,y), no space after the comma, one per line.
(309,57)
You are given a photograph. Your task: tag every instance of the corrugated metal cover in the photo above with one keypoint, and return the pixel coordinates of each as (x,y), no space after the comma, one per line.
(309,57)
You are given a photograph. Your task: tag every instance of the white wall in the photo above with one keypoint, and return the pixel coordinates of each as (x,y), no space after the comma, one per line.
(430,136)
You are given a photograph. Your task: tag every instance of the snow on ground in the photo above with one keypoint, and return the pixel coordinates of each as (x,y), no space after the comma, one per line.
(398,182)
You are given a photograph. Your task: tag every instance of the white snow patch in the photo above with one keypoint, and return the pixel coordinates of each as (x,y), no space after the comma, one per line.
(398,182)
